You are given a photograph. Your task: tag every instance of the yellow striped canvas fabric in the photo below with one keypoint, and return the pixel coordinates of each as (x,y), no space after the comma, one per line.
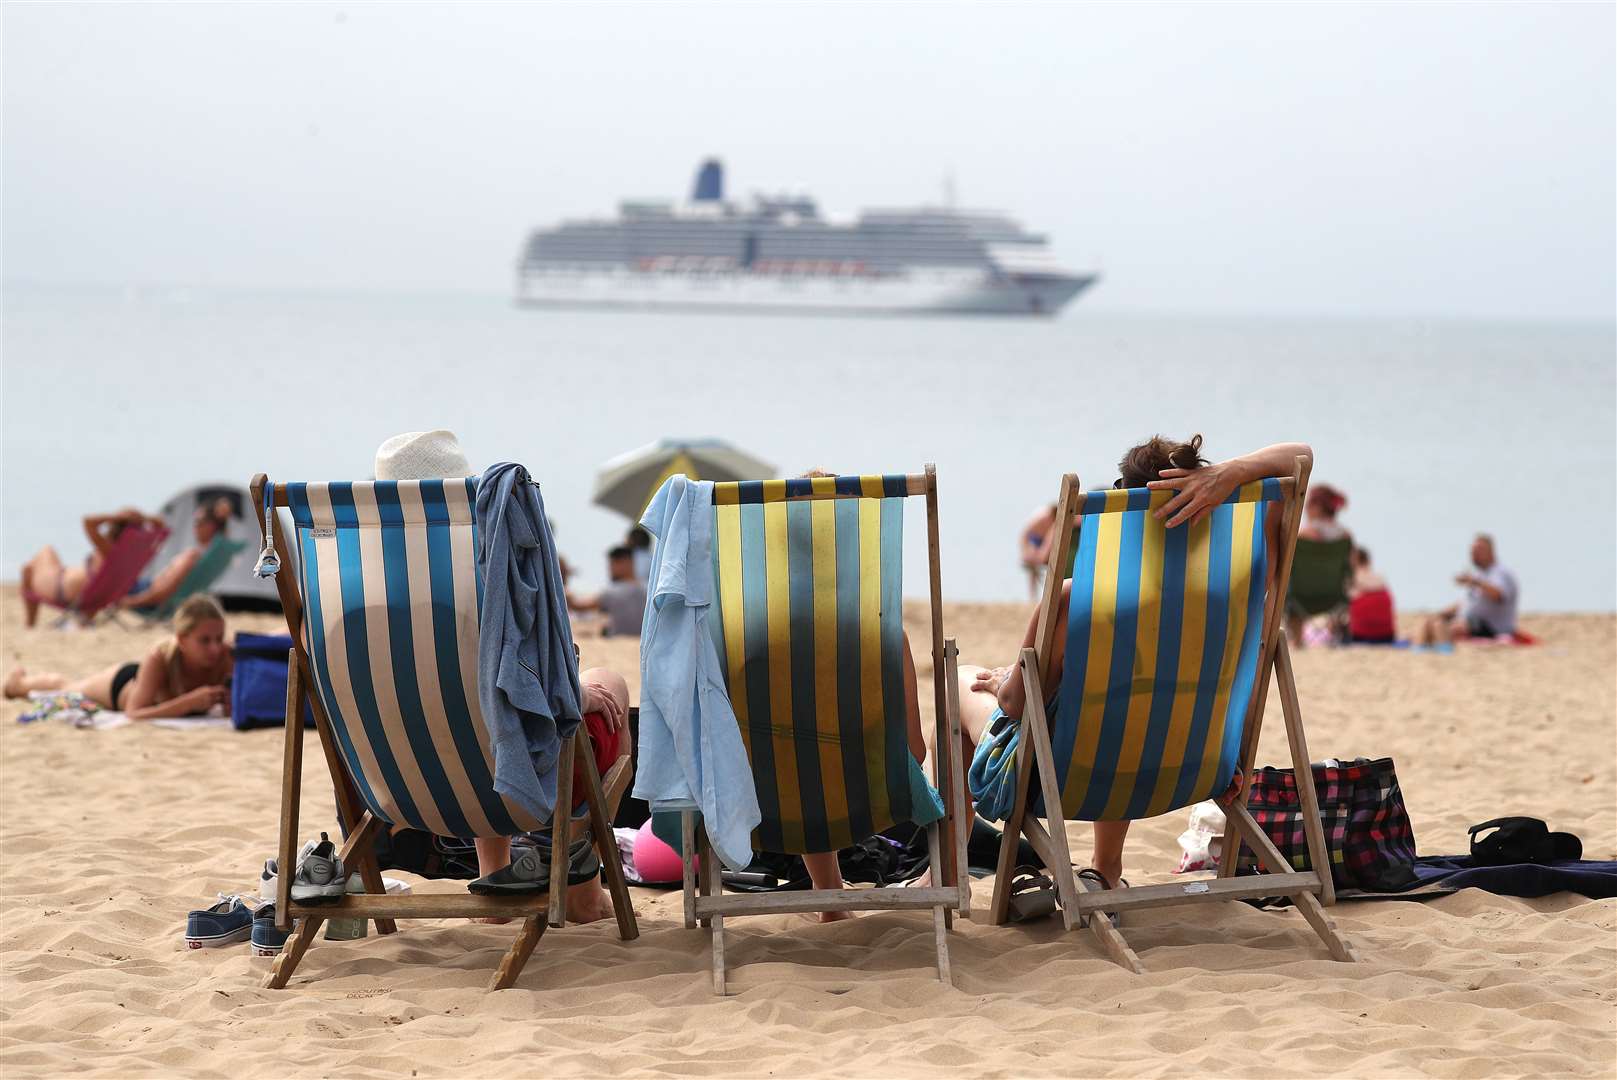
(1162,650)
(810,635)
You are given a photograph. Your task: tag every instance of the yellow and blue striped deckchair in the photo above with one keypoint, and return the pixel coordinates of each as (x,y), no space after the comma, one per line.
(1169,640)
(384,616)
(810,635)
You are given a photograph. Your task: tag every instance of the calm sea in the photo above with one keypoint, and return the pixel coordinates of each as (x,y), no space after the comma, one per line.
(1435,430)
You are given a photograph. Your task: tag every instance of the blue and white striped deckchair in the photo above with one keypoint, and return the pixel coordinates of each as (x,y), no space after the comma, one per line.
(384,617)
(1170,638)
(810,634)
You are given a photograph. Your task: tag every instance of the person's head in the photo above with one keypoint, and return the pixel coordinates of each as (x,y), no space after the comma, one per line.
(1482,553)
(1146,462)
(639,539)
(1324,502)
(1361,558)
(815,474)
(210,520)
(199,632)
(620,563)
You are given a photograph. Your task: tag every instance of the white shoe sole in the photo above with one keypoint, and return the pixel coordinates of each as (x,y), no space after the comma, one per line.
(219,940)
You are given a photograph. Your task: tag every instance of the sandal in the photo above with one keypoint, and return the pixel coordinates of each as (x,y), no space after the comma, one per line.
(1033,895)
(1097,883)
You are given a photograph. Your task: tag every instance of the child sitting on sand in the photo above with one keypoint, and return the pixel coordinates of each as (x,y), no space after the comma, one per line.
(186,675)
(1159,464)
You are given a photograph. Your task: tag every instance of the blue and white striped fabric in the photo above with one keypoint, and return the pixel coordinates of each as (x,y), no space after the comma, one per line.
(391,597)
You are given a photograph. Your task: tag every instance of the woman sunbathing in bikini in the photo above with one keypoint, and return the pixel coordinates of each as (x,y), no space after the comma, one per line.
(46,578)
(1160,464)
(183,676)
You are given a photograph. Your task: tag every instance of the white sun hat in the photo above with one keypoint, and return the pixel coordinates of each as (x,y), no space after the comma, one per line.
(422,455)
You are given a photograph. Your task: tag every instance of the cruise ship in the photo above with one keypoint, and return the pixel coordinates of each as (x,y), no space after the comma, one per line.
(777,253)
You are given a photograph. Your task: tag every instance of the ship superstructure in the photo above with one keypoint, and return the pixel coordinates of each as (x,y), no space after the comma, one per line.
(779,253)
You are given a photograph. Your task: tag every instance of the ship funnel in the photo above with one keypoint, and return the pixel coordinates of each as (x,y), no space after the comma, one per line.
(709,182)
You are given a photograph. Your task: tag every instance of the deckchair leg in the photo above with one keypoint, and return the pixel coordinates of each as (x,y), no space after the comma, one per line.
(1036,726)
(1303,770)
(533,928)
(710,868)
(561,831)
(291,793)
(999,908)
(718,954)
(606,846)
(1240,820)
(1110,938)
(292,952)
(687,858)
(940,920)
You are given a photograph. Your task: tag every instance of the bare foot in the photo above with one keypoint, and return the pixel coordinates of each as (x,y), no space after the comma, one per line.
(19,682)
(588,903)
(834,916)
(491,920)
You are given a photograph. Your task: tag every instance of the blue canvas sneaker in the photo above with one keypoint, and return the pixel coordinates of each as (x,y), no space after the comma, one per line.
(227,922)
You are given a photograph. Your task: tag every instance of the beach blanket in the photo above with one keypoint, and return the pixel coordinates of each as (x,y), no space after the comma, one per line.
(1440,875)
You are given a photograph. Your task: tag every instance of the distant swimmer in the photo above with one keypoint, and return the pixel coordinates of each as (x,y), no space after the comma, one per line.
(1033,546)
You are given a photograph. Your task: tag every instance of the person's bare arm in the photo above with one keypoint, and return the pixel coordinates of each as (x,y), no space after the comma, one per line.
(146,696)
(98,526)
(1006,683)
(1199,490)
(583,603)
(1494,594)
(167,581)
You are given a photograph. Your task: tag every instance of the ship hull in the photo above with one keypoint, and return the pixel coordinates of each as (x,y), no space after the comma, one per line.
(941,292)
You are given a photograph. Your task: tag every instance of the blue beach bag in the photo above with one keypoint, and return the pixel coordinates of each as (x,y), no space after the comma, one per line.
(258,686)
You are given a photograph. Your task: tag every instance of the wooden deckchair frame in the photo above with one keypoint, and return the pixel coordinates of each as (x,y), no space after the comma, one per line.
(360,828)
(946,839)
(1311,891)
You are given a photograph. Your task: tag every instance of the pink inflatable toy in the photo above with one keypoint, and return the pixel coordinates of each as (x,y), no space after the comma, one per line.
(654,861)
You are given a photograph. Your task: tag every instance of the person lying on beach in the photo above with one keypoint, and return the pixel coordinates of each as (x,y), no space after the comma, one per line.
(1489,607)
(207,523)
(184,676)
(1162,465)
(46,575)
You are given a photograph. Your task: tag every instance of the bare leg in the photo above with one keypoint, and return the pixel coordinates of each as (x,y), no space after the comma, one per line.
(976,709)
(21,682)
(41,577)
(589,901)
(1108,857)
(493,853)
(824,873)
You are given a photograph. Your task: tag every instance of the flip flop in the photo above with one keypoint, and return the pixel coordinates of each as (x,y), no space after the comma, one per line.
(1033,895)
(1097,883)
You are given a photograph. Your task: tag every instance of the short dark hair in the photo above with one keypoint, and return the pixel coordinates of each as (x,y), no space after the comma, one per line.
(638,538)
(622,551)
(1145,462)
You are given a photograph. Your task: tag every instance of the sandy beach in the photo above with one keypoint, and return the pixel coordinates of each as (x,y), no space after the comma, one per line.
(110,837)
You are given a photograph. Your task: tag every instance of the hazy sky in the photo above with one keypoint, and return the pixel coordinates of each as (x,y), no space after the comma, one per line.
(1350,159)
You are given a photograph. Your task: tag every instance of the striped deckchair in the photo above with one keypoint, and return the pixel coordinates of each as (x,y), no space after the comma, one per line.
(810,634)
(1171,636)
(204,573)
(384,620)
(113,580)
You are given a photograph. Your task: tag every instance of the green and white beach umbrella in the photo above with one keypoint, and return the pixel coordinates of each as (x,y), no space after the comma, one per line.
(627,482)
